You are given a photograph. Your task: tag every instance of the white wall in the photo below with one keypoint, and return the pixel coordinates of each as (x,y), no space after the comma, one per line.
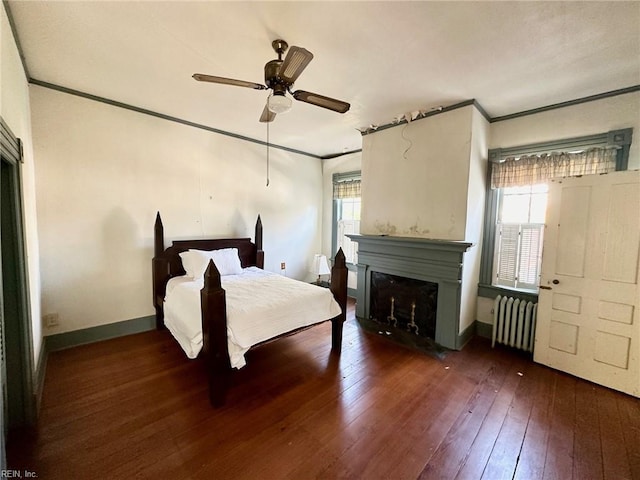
(15,110)
(613,113)
(476,188)
(344,164)
(435,189)
(399,185)
(103,172)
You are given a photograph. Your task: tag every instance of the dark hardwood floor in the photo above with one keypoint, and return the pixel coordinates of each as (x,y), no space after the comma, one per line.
(135,407)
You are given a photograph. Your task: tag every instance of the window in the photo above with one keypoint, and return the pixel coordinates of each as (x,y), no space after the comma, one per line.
(519,235)
(348,222)
(516,202)
(346,214)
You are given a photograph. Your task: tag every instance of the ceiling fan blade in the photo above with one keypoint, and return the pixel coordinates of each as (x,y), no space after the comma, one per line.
(321,101)
(267,115)
(294,63)
(227,81)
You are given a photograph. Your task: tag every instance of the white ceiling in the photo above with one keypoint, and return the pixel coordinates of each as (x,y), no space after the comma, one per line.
(385,58)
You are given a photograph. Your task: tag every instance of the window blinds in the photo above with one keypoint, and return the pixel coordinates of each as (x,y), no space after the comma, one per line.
(519,253)
(507,255)
(349,248)
(529,256)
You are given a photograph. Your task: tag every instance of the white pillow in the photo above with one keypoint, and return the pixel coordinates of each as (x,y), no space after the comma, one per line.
(195,262)
(227,261)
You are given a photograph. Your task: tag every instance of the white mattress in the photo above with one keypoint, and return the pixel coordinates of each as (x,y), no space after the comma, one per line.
(260,305)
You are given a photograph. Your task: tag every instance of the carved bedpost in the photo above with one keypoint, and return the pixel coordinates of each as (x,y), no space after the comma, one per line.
(339,289)
(159,271)
(214,335)
(158,236)
(258,242)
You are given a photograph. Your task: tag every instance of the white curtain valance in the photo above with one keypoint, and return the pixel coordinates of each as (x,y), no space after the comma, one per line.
(534,169)
(347,189)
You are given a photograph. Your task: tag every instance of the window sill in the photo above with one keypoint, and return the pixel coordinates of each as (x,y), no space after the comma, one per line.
(491,291)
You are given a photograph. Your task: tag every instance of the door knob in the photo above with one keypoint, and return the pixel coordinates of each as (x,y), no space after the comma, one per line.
(555,281)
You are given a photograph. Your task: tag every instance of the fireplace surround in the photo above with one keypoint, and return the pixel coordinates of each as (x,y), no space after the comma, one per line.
(436,261)
(406,303)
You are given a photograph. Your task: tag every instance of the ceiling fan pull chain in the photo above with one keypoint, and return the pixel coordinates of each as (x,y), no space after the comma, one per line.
(267,154)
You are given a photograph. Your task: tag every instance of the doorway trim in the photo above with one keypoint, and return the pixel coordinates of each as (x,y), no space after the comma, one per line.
(17,335)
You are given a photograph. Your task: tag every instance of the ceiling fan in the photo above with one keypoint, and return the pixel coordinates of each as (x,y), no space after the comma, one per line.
(279,76)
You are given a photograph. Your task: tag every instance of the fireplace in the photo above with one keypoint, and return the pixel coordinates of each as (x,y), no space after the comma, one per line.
(404,303)
(437,262)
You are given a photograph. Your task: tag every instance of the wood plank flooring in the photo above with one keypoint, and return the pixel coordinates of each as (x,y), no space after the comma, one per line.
(135,407)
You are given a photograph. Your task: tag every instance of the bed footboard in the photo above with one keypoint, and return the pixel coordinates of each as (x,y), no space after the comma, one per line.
(160,271)
(339,289)
(214,326)
(214,335)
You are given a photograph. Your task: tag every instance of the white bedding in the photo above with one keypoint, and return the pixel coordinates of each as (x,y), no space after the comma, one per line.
(260,305)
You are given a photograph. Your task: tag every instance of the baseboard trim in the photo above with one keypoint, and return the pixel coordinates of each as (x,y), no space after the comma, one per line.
(465,336)
(61,341)
(484,330)
(477,328)
(39,374)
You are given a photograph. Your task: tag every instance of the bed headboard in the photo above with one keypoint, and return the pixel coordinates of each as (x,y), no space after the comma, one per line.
(166,263)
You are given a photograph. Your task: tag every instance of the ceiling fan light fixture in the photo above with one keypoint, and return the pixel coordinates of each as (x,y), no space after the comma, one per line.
(279,103)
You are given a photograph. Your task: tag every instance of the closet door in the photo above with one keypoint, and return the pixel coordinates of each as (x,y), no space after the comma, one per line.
(588,320)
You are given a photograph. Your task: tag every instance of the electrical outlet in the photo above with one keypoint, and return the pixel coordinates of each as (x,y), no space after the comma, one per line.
(283,266)
(51,320)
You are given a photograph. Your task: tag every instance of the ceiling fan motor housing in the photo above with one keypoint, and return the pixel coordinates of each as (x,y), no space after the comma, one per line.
(271,78)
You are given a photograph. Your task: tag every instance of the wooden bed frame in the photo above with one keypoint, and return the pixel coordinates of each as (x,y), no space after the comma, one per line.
(167,264)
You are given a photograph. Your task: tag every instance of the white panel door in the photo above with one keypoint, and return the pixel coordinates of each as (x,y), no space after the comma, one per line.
(589,301)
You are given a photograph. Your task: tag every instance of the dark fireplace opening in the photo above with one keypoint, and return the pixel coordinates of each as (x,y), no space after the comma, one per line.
(404,303)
